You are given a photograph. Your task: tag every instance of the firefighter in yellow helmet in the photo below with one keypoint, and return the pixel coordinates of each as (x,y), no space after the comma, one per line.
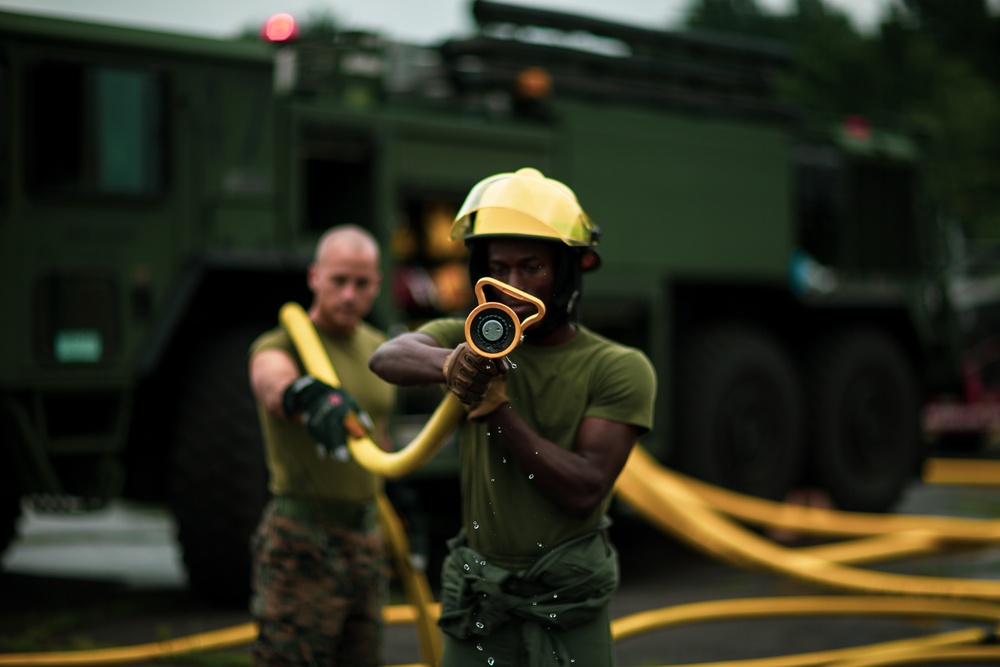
(525,204)
(529,577)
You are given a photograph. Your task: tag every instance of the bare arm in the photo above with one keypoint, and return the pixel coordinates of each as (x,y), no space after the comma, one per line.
(271,371)
(410,359)
(576,479)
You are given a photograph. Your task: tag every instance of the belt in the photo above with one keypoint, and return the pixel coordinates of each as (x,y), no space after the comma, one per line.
(356,515)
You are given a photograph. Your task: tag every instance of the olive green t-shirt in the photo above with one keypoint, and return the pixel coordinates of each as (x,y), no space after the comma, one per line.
(506,516)
(295,468)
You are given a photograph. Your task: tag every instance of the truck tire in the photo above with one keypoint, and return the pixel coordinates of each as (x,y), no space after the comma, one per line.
(864,417)
(218,482)
(739,412)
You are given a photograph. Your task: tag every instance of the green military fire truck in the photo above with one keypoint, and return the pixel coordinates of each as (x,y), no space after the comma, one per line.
(160,196)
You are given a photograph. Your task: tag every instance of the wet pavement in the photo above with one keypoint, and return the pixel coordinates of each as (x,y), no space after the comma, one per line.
(115,578)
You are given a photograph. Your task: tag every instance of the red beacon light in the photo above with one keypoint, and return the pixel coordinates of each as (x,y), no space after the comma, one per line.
(858,128)
(280,28)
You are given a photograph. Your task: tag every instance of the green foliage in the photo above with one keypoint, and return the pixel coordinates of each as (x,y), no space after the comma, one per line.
(930,69)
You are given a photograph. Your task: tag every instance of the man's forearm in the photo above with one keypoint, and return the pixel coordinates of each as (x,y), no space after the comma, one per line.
(565,476)
(406,362)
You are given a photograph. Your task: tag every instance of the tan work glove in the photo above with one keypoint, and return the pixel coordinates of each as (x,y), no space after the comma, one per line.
(496,395)
(468,375)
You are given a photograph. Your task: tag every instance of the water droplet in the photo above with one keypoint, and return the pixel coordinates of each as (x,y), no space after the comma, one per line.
(479,646)
(513,365)
(541,546)
(475,525)
(503,459)
(466,566)
(531,476)
(489,661)
(479,624)
(493,479)
(552,615)
(555,595)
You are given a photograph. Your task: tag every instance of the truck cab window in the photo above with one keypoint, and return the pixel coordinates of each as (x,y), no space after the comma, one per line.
(94,130)
(337,173)
(819,202)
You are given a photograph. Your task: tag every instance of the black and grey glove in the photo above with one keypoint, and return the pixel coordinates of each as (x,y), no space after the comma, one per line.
(328,413)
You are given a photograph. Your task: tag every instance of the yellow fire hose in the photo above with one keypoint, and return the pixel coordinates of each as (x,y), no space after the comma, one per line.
(962,471)
(979,654)
(659,496)
(937,656)
(213,640)
(758,608)
(626,627)
(386,464)
(414,583)
(836,523)
(303,334)
(694,512)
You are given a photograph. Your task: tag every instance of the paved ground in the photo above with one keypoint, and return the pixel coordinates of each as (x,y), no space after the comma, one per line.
(115,578)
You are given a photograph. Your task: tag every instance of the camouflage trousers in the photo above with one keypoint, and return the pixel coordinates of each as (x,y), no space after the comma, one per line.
(320,579)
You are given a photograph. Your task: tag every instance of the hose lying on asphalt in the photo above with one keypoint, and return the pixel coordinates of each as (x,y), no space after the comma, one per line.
(662,498)
(626,627)
(836,523)
(962,471)
(696,513)
(681,507)
(931,656)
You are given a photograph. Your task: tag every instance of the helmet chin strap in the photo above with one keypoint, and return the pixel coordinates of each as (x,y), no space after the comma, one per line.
(554,319)
(570,307)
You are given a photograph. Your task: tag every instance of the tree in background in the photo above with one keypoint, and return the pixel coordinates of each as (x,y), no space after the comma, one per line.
(954,96)
(929,69)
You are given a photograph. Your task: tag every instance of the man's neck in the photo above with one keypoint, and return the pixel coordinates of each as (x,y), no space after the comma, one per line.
(558,336)
(330,329)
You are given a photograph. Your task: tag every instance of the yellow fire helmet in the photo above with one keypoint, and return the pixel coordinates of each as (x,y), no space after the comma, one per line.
(524,203)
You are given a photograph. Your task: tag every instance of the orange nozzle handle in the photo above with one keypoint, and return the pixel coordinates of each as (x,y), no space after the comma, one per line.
(517,294)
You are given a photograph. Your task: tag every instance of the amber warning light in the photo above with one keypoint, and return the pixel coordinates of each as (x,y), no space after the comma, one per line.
(280,28)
